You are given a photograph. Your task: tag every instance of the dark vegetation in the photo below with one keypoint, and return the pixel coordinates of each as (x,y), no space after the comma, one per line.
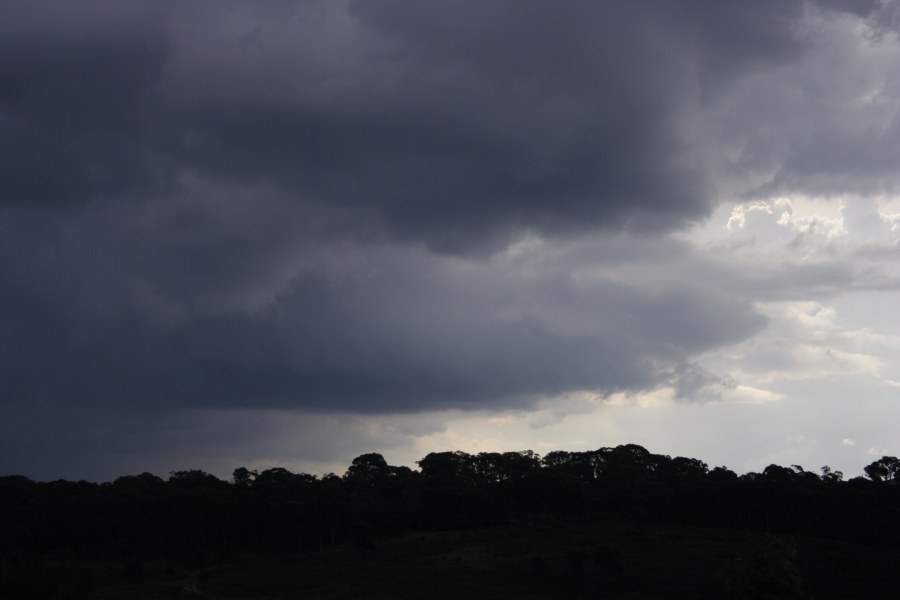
(612,523)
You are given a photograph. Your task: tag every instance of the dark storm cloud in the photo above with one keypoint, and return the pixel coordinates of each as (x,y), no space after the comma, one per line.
(452,124)
(460,123)
(448,123)
(320,204)
(453,128)
(74,82)
(367,328)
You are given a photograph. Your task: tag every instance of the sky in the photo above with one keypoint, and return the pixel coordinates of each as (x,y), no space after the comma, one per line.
(290,233)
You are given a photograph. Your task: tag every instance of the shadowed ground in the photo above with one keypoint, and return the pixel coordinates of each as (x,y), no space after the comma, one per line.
(553,558)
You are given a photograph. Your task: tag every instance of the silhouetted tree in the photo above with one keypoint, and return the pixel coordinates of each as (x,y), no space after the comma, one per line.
(194,478)
(721,474)
(367,469)
(242,477)
(276,509)
(142,482)
(831,476)
(281,480)
(886,468)
(448,467)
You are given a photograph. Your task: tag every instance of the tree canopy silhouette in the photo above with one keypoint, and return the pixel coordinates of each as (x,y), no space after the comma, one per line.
(278,509)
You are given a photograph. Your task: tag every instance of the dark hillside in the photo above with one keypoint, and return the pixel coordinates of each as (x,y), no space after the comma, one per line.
(616,522)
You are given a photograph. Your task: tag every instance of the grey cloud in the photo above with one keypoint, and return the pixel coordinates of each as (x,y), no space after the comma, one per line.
(76,84)
(454,125)
(327,205)
(464,132)
(862,8)
(692,382)
(374,328)
(821,125)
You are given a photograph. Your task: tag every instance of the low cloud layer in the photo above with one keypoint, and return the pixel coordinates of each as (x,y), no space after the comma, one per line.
(370,328)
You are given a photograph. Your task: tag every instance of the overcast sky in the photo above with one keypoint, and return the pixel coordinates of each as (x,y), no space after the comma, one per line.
(288,233)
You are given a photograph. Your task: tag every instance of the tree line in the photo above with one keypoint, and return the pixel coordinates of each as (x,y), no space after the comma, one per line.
(277,510)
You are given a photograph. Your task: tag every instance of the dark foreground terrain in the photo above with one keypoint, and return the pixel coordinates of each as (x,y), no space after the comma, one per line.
(612,523)
(547,560)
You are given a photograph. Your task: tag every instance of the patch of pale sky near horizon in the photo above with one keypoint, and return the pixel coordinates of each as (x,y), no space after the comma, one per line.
(849,342)
(838,382)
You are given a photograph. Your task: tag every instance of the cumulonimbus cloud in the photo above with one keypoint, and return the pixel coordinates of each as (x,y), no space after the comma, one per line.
(320,204)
